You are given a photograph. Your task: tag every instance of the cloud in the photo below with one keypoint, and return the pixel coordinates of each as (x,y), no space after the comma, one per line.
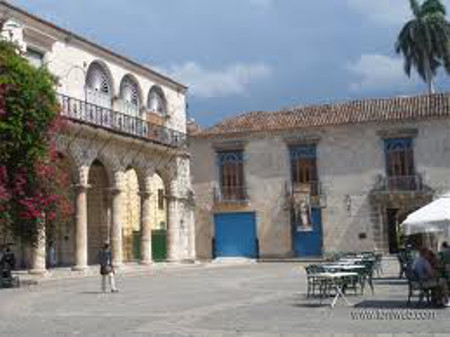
(212,83)
(384,11)
(376,71)
(263,4)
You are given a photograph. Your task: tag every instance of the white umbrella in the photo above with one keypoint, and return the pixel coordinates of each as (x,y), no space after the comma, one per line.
(432,218)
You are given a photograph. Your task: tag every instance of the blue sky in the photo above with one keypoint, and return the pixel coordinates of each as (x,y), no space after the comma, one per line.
(244,55)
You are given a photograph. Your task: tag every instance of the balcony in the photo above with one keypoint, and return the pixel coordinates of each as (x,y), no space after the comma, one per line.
(231,194)
(400,184)
(120,123)
(400,192)
(311,190)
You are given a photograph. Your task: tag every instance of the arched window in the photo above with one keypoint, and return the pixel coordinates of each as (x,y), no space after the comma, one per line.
(129,95)
(98,85)
(157,101)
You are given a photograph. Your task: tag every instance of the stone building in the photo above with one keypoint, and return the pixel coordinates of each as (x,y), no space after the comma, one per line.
(318,179)
(125,146)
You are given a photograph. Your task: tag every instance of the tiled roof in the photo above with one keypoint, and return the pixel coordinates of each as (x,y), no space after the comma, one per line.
(193,128)
(353,112)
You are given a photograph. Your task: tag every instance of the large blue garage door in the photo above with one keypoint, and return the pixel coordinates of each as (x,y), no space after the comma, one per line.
(308,243)
(235,235)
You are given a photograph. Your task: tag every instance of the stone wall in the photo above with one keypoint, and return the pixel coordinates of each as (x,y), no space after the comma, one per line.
(68,58)
(349,158)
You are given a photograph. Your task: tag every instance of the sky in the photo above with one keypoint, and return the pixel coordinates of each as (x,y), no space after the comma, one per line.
(248,55)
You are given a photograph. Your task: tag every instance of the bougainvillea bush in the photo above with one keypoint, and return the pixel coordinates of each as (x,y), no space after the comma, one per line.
(33,187)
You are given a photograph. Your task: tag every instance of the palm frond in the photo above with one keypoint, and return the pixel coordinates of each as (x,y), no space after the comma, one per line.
(430,7)
(415,8)
(424,41)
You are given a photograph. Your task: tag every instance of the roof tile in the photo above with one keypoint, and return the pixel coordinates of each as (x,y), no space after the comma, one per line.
(353,112)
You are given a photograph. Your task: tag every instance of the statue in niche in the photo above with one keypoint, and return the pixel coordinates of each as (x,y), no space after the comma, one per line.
(302,211)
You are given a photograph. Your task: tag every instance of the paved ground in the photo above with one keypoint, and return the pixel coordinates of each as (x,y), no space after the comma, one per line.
(206,300)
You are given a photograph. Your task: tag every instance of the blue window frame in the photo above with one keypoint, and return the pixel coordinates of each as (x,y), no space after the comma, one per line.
(399,157)
(400,170)
(231,175)
(304,166)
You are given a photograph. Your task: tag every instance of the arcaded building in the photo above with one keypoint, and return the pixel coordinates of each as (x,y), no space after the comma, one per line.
(314,180)
(125,146)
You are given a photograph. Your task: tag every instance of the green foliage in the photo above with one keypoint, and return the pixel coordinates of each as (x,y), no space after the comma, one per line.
(28,117)
(31,106)
(424,41)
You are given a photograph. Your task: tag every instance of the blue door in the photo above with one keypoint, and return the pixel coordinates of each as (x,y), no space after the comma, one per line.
(235,235)
(308,243)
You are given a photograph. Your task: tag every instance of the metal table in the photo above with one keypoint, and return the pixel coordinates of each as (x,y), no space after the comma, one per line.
(336,280)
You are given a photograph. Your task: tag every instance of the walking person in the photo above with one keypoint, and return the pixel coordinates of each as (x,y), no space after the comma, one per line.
(51,255)
(106,268)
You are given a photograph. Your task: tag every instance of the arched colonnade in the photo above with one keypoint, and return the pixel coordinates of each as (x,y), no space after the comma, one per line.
(114,195)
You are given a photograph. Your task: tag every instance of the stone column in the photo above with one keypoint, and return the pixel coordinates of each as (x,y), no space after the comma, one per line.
(146,228)
(192,253)
(173,230)
(39,254)
(116,226)
(81,237)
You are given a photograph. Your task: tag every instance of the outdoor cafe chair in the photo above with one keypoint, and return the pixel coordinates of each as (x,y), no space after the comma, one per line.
(366,274)
(315,282)
(405,260)
(415,284)
(378,267)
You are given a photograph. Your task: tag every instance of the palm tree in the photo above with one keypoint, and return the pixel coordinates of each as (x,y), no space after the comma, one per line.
(424,41)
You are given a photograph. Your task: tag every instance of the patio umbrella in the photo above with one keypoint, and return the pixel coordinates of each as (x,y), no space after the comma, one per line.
(432,218)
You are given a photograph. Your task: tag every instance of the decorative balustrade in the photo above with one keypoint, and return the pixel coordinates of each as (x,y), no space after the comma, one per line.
(231,194)
(314,188)
(106,118)
(310,192)
(413,183)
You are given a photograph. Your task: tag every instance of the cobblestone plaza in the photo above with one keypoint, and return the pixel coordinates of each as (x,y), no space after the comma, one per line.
(264,299)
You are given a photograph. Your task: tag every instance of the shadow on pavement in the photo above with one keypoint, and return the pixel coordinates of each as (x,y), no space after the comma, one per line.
(91,292)
(390,304)
(311,305)
(390,281)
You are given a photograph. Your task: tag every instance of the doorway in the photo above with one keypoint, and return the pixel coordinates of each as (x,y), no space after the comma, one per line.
(392,225)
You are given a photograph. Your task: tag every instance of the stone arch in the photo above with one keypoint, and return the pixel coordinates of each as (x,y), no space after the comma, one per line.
(112,166)
(156,100)
(98,209)
(61,236)
(143,170)
(167,176)
(132,214)
(82,157)
(130,94)
(99,84)
(71,164)
(75,81)
(158,185)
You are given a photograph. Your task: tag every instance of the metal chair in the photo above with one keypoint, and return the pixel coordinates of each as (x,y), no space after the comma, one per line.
(366,274)
(314,282)
(415,284)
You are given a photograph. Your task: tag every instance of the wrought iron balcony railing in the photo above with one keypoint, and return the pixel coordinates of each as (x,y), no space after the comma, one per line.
(231,194)
(314,188)
(413,183)
(91,114)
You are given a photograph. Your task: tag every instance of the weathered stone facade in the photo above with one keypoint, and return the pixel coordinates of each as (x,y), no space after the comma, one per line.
(350,163)
(126,129)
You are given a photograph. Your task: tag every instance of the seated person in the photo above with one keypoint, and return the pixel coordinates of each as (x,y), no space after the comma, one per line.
(7,263)
(425,268)
(422,267)
(445,258)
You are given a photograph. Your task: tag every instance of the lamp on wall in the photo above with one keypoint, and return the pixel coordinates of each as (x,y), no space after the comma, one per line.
(348,202)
